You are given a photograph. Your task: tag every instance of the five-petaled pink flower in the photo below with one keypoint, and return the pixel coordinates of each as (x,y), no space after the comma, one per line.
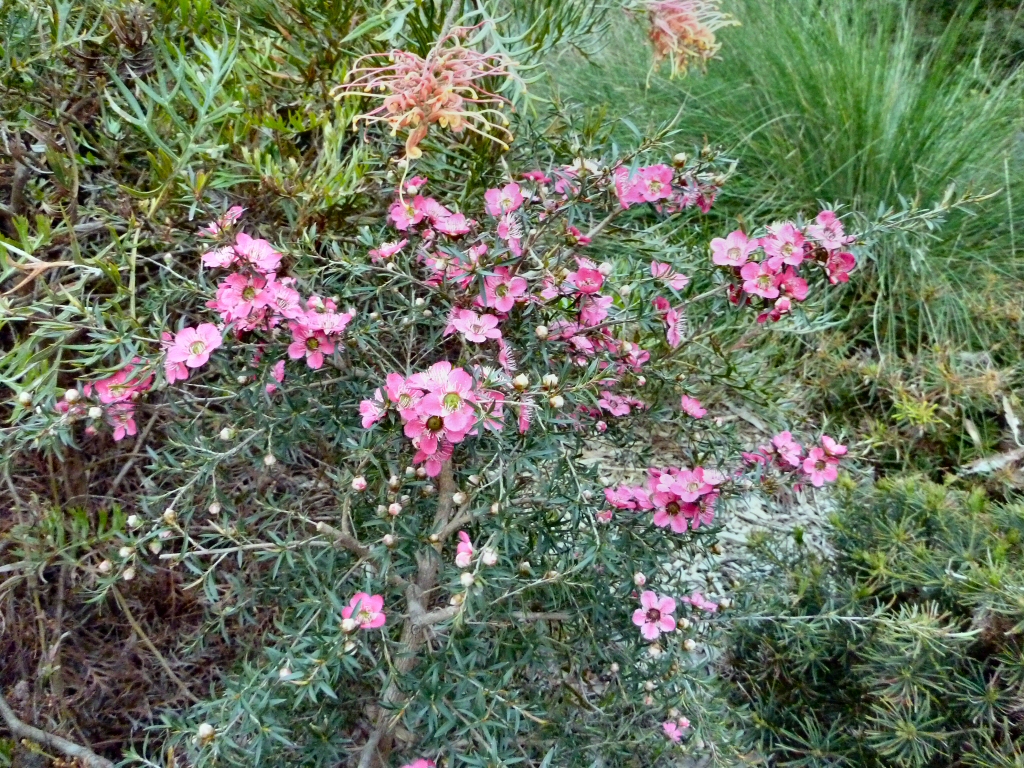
(733,250)
(832,448)
(502,290)
(655,615)
(366,610)
(464,552)
(820,467)
(474,327)
(421,763)
(759,279)
(672,730)
(676,280)
(501,201)
(692,407)
(192,346)
(311,343)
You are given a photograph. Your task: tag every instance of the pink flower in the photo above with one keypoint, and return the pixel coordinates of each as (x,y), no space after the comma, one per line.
(832,448)
(403,395)
(192,346)
(277,372)
(692,407)
(405,215)
(675,324)
(594,309)
(464,552)
(238,296)
(655,615)
(387,250)
(732,251)
(421,763)
(284,299)
(232,215)
(366,610)
(785,244)
(672,731)
(820,468)
(372,411)
(759,279)
(677,281)
(502,290)
(454,225)
(474,327)
(122,418)
(501,201)
(828,230)
(698,601)
(575,237)
(676,514)
(788,449)
(511,232)
(794,286)
(257,253)
(119,388)
(586,280)
(839,265)
(655,182)
(310,343)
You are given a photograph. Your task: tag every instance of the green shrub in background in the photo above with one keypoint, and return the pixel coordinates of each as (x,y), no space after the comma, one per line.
(907,650)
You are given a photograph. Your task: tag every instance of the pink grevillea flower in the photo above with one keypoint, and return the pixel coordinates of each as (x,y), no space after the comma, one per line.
(692,407)
(655,615)
(464,552)
(787,448)
(839,265)
(192,346)
(672,730)
(227,219)
(387,250)
(474,327)
(820,467)
(701,603)
(421,763)
(733,250)
(310,343)
(502,290)
(828,230)
(501,201)
(366,610)
(784,244)
(444,88)
(121,417)
(676,280)
(759,279)
(832,448)
(683,31)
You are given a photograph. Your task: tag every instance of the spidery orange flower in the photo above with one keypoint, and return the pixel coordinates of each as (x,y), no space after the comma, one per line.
(683,31)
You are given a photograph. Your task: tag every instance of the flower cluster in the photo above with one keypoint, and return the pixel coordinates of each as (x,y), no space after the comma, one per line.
(439,408)
(116,395)
(683,31)
(768,267)
(681,499)
(819,465)
(669,189)
(444,89)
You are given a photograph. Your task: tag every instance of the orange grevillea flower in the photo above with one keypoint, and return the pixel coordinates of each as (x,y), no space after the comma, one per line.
(683,31)
(445,88)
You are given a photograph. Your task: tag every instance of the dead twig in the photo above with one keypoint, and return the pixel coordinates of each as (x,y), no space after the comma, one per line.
(22,730)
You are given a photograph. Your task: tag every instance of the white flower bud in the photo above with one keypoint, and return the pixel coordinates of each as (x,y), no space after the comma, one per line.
(459,498)
(557,401)
(25,398)
(124,552)
(394,509)
(725,602)
(458,599)
(394,483)
(428,489)
(433,538)
(587,495)
(525,568)
(241,379)
(420,302)
(549,380)
(641,380)
(605,268)
(375,315)
(206,733)
(129,574)
(689,645)
(214,508)
(349,646)
(473,479)
(488,556)
(348,625)
(649,686)
(466,579)
(614,668)
(283,672)
(170,516)
(95,412)
(72,396)
(270,460)
(389,541)
(639,579)
(421,472)
(381,509)
(654,650)
(521,382)
(133,521)
(625,289)
(683,623)
(495,508)
(106,566)
(227,434)
(404,498)
(552,575)
(155,547)
(359,483)
(427,313)
(541,331)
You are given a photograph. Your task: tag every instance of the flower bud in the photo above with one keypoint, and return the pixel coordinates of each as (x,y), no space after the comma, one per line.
(420,301)
(394,483)
(458,599)
(614,668)
(473,479)
(459,498)
(206,734)
(488,556)
(394,509)
(495,508)
(683,623)
(433,538)
(689,644)
(410,471)
(521,382)
(124,552)
(155,547)
(348,647)
(725,602)
(270,460)
(679,159)
(428,489)
(381,509)
(227,434)
(72,395)
(587,495)
(404,498)
(605,268)
(359,483)
(541,331)
(95,412)
(549,380)
(466,579)
(654,650)
(283,672)
(25,398)
(421,472)
(716,548)
(375,315)
(241,379)
(106,566)
(673,714)
(427,313)
(625,289)
(525,569)
(557,401)
(641,381)
(649,686)
(389,541)
(348,625)
(639,579)
(133,521)
(170,516)
(129,574)
(552,575)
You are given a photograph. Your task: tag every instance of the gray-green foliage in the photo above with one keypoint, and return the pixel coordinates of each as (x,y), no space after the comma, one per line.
(906,650)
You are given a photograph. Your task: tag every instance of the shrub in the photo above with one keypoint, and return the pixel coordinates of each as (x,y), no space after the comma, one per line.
(906,650)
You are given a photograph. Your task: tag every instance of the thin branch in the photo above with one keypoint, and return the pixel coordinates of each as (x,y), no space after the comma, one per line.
(343,540)
(22,730)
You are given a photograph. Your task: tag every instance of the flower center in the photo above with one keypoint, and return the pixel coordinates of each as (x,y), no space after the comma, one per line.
(434,423)
(197,347)
(248,293)
(672,508)
(734,254)
(312,343)
(764,281)
(452,401)
(653,615)
(405,400)
(501,290)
